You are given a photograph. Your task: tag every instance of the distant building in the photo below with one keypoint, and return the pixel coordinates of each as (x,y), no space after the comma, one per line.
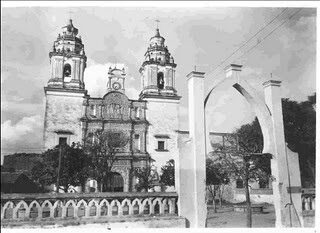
(150,122)
(17,182)
(20,162)
(234,191)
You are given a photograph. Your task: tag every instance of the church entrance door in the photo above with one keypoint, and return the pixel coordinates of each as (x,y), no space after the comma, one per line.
(115,184)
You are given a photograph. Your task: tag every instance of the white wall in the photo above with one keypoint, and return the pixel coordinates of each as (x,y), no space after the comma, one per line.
(162,115)
(63,112)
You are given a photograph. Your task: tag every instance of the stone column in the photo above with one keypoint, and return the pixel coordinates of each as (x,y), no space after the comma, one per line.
(142,141)
(286,215)
(74,68)
(142,75)
(173,78)
(149,75)
(126,178)
(81,71)
(77,70)
(192,159)
(51,68)
(61,67)
(145,140)
(153,75)
(101,111)
(57,68)
(167,78)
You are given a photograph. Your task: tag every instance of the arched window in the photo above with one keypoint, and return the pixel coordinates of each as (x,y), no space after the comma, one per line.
(67,70)
(160,80)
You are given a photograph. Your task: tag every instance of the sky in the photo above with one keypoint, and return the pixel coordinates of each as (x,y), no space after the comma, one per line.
(195,36)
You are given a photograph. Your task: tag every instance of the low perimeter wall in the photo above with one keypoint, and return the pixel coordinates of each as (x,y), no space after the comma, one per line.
(74,209)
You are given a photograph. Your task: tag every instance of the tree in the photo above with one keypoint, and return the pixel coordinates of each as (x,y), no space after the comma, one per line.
(241,157)
(300,133)
(74,167)
(167,176)
(146,176)
(299,121)
(103,146)
(216,177)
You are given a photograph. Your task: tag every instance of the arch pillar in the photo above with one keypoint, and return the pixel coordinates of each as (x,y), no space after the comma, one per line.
(191,166)
(283,163)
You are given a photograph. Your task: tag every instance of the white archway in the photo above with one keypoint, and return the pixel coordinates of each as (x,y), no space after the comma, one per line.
(192,154)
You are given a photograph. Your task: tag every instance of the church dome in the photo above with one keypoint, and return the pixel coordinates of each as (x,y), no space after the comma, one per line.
(157,40)
(157,52)
(69,42)
(70,30)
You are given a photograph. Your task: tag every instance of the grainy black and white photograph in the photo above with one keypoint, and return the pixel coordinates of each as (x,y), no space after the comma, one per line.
(158,115)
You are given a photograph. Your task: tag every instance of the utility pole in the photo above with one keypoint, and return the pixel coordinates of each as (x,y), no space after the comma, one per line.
(59,168)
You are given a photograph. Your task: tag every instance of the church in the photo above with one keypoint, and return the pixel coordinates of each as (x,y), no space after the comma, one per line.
(150,122)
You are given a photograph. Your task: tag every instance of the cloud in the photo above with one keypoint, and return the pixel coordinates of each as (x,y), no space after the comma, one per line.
(132,93)
(15,108)
(227,110)
(25,126)
(249,71)
(24,136)
(96,77)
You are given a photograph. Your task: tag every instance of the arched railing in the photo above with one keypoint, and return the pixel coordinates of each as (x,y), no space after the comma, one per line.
(46,207)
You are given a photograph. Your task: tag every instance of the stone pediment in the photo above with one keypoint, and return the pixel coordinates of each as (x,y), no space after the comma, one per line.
(116,105)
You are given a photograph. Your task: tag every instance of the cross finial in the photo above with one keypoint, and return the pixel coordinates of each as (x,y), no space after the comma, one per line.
(70,12)
(157,21)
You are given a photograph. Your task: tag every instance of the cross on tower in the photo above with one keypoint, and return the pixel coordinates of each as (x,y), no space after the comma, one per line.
(158,21)
(70,12)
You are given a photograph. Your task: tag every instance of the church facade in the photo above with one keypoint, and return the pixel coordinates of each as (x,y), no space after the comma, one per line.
(150,122)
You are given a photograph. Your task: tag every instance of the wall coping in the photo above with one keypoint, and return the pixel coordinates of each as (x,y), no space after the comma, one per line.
(37,196)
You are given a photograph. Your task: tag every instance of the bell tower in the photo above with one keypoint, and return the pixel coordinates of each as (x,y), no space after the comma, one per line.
(158,70)
(158,90)
(65,90)
(68,60)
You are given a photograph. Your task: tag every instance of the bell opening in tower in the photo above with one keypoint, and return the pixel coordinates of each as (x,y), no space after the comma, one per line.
(160,81)
(67,70)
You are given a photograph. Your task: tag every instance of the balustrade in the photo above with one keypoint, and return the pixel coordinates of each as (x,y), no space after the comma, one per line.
(44,207)
(308,199)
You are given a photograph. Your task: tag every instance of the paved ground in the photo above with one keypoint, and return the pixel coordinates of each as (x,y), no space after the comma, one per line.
(226,217)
